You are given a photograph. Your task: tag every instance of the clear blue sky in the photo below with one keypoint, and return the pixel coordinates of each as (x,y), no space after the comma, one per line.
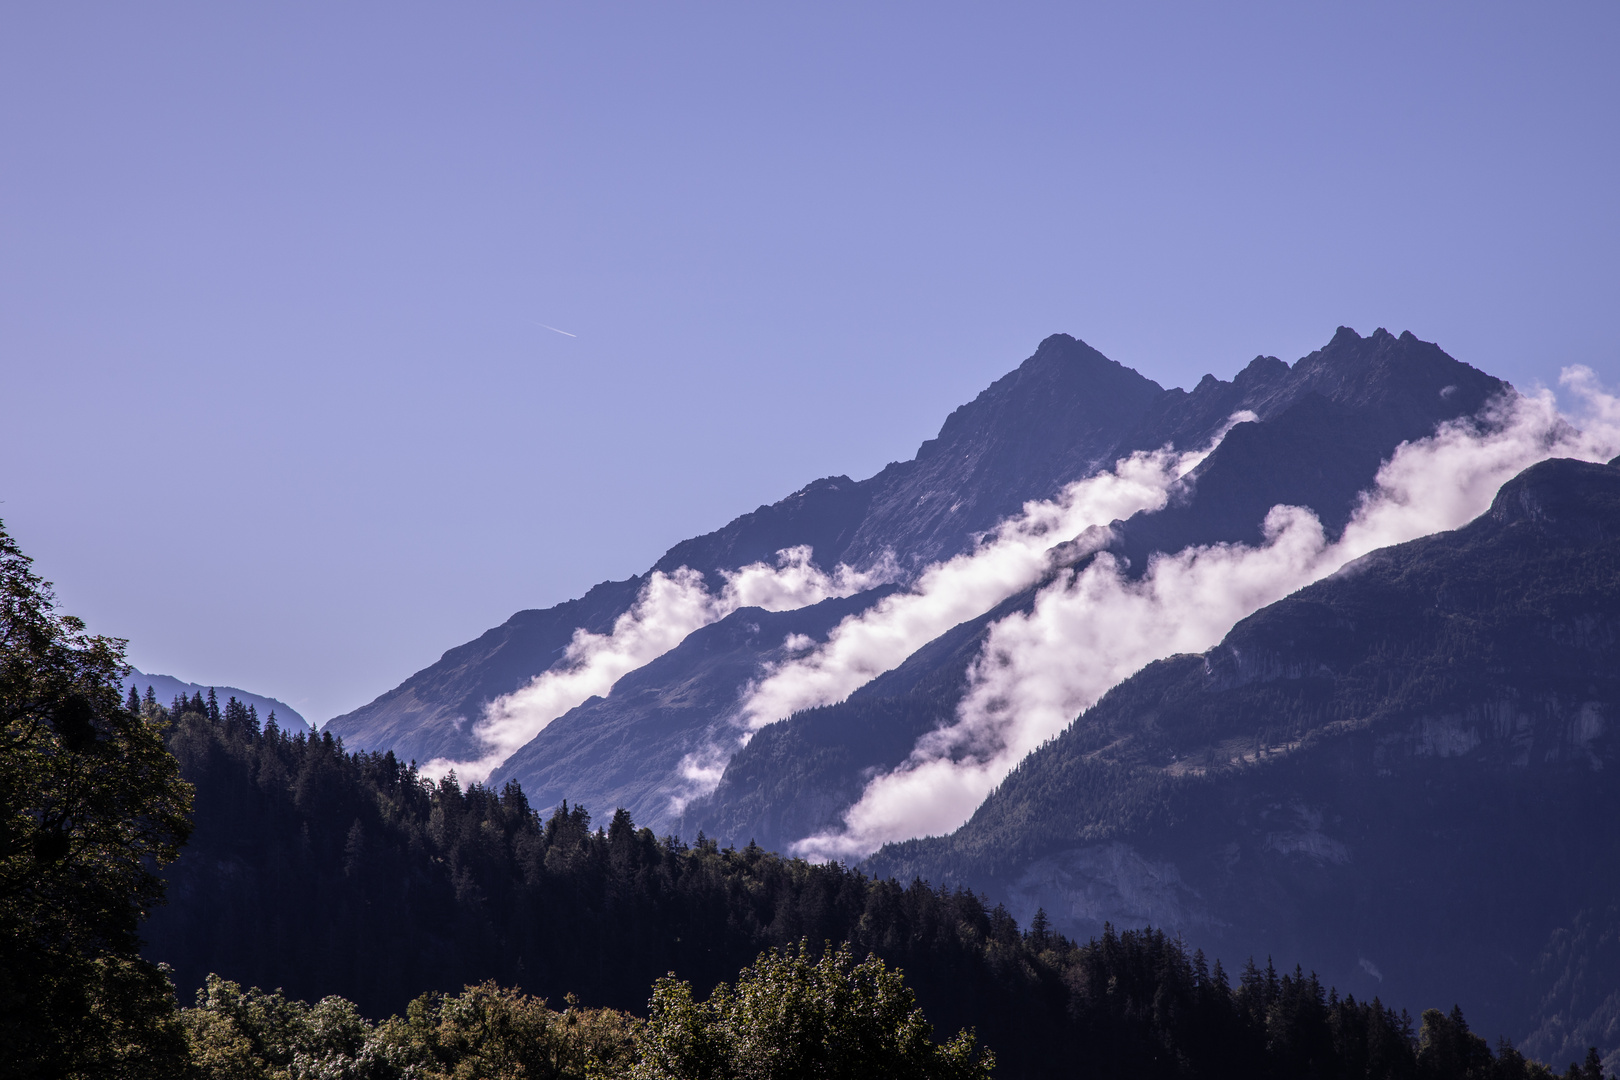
(276,398)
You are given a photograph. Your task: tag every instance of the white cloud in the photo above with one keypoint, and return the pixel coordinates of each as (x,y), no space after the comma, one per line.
(1009,559)
(1090,630)
(669,608)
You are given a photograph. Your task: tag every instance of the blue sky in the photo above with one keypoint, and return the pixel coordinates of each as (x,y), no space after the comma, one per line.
(280,407)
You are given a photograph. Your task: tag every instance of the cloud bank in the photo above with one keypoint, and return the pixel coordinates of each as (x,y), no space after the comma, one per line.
(1091,629)
(669,608)
(1009,559)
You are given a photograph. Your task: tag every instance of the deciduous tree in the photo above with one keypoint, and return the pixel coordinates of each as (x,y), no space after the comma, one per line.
(91,802)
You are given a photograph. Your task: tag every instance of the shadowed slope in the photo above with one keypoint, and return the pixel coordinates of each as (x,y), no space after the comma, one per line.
(1403,774)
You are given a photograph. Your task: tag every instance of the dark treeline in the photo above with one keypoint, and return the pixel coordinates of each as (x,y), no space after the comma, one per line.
(324,872)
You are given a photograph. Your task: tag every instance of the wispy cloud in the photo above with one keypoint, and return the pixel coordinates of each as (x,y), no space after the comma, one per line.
(669,607)
(1089,630)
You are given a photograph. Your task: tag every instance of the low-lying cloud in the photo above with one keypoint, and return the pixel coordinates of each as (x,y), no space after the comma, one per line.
(865,645)
(669,608)
(1092,628)
(1009,559)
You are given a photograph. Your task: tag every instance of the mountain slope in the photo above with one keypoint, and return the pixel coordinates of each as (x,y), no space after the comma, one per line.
(1323,429)
(430,715)
(1064,408)
(1403,774)
(626,749)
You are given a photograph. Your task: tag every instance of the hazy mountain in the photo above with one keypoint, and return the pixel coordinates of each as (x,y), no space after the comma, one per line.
(1401,775)
(167,687)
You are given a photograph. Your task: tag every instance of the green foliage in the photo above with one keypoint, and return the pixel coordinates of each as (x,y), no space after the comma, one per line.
(485,1033)
(494,1033)
(1140,1006)
(792,1016)
(245,1035)
(90,803)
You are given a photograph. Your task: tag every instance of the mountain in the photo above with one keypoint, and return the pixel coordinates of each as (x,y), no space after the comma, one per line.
(1402,775)
(1059,416)
(1322,429)
(1062,414)
(166,688)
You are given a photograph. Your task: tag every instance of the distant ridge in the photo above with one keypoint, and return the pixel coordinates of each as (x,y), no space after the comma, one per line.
(166,687)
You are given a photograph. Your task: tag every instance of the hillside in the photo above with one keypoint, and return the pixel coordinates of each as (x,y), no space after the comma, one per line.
(1401,775)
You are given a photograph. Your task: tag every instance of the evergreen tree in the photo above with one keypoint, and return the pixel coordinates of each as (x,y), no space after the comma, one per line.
(482,887)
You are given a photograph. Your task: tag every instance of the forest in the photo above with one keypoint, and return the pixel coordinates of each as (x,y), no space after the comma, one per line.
(325,872)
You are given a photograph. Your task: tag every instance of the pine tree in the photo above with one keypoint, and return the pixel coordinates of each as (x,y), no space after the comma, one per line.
(1038,928)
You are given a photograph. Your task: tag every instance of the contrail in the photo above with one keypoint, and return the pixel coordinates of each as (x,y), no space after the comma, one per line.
(554,330)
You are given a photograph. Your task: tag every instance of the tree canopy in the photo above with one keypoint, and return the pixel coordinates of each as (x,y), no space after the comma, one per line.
(792,1015)
(91,802)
